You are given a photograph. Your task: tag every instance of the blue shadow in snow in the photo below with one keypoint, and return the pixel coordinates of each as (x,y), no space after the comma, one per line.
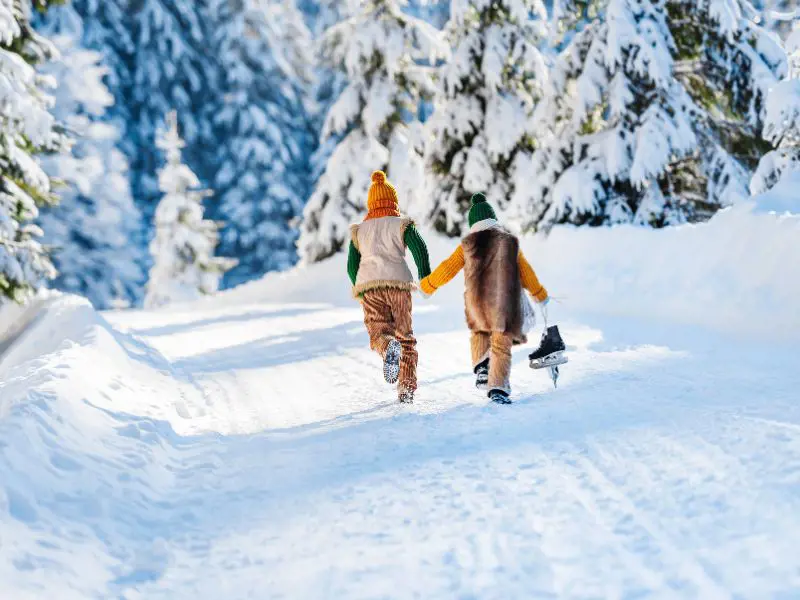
(290,347)
(222,319)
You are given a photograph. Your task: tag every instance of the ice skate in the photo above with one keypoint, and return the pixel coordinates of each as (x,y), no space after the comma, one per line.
(550,353)
(391,361)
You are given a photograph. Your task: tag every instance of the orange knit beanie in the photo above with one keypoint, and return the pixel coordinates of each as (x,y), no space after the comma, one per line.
(382,198)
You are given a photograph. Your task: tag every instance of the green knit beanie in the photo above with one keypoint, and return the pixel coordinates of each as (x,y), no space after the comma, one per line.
(480,209)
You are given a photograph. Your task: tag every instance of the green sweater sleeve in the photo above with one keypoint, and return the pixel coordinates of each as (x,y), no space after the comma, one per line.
(419,251)
(353,262)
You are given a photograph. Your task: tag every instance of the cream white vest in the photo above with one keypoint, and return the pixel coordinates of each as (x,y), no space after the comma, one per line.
(383,254)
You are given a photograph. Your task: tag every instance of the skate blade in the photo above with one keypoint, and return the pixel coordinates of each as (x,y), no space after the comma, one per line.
(549,361)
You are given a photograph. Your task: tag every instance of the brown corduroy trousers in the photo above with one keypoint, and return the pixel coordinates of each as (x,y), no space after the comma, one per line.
(387,315)
(497,348)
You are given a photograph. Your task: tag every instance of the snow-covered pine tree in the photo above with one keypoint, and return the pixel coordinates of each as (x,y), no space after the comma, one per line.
(264,131)
(435,12)
(106,26)
(27,129)
(778,15)
(95,229)
(157,55)
(322,14)
(379,50)
(664,93)
(184,265)
(327,80)
(782,124)
(568,18)
(171,69)
(487,93)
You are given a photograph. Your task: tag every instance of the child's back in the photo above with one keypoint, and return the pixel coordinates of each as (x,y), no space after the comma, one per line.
(383,283)
(493,289)
(495,271)
(381,243)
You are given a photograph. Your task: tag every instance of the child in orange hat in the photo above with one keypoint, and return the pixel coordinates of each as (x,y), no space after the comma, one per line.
(383,282)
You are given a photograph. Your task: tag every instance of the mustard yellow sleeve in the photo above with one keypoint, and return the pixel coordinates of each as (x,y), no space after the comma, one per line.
(529,279)
(445,272)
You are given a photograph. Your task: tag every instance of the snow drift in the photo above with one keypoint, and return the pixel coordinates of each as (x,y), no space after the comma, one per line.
(64,330)
(90,451)
(739,272)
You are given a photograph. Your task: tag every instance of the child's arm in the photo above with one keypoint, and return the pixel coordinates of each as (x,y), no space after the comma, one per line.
(419,251)
(353,262)
(444,272)
(529,280)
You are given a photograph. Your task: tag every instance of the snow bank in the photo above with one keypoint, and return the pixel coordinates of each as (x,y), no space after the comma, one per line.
(739,272)
(783,198)
(51,325)
(14,318)
(86,452)
(55,330)
(41,326)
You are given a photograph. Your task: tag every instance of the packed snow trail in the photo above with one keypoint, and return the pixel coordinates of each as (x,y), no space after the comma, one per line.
(667,464)
(247,446)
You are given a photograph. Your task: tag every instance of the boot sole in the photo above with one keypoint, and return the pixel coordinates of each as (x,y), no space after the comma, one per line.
(391,362)
(499,400)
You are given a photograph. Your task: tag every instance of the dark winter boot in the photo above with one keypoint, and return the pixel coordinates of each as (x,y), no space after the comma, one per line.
(550,352)
(482,375)
(406,396)
(391,361)
(499,396)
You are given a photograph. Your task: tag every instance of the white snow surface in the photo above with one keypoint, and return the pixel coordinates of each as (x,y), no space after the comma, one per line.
(245,446)
(782,198)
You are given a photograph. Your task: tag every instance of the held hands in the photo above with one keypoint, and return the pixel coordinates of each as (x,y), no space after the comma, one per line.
(425,288)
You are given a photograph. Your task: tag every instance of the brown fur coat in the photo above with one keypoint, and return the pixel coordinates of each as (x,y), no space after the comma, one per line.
(493,296)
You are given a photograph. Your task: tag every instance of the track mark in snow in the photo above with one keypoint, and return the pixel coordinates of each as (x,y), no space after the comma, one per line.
(19,507)
(774,423)
(646,537)
(719,497)
(296,473)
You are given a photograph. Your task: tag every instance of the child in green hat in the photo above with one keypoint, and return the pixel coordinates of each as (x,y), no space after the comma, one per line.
(495,272)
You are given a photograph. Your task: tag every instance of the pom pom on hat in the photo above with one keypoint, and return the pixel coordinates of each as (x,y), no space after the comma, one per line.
(382,197)
(478,198)
(480,209)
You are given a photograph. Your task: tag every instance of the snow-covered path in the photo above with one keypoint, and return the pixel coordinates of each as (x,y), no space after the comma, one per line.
(667,464)
(262,457)
(247,447)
